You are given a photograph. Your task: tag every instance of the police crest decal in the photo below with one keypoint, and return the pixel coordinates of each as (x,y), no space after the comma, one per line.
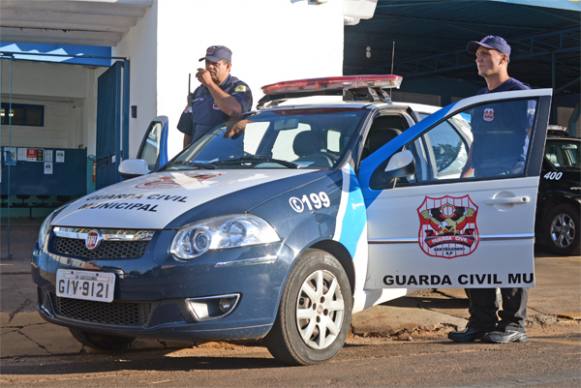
(448,227)
(488,115)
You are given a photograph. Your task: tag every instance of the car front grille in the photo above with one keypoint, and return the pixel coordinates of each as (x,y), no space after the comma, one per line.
(119,314)
(105,243)
(106,250)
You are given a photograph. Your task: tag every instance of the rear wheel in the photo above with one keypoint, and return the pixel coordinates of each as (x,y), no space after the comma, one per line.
(561,230)
(315,311)
(105,342)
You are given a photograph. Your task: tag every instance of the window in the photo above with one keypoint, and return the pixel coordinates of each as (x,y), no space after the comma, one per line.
(151,146)
(490,140)
(334,140)
(383,129)
(22,114)
(449,151)
(294,138)
(285,137)
(501,138)
(253,137)
(563,153)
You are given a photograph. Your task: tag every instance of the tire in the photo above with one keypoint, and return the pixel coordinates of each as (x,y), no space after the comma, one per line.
(103,342)
(561,230)
(297,340)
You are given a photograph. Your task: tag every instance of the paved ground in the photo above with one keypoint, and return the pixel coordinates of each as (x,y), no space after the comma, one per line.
(549,359)
(556,300)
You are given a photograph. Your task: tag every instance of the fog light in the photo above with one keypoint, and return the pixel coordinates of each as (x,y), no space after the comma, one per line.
(212,307)
(226,304)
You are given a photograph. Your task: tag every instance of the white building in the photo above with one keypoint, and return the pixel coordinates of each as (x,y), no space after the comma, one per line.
(160,42)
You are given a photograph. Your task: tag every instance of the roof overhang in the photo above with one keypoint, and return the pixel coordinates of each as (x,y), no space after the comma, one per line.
(355,10)
(81,22)
(569,5)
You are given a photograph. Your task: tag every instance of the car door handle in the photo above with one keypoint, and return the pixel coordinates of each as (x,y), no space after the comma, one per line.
(516,200)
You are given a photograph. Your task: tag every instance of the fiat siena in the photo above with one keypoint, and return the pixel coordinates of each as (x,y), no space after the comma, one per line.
(280,225)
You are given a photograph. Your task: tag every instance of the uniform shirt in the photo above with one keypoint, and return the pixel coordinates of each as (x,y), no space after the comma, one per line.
(500,133)
(206,114)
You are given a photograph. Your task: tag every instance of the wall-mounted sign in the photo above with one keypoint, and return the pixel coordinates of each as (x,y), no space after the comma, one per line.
(34,155)
(47,168)
(10,156)
(21,154)
(60,156)
(47,155)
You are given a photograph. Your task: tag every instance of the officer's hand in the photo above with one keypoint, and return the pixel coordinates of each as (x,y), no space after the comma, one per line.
(469,173)
(204,77)
(236,128)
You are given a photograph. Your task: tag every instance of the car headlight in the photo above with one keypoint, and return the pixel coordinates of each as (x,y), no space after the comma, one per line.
(231,231)
(44,230)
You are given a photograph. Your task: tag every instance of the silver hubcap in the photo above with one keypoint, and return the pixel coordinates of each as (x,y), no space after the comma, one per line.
(563,230)
(320,309)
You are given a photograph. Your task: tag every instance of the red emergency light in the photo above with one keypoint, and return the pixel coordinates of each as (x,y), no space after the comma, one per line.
(384,81)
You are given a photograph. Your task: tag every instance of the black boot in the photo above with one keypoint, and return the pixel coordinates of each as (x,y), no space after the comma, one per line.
(469,334)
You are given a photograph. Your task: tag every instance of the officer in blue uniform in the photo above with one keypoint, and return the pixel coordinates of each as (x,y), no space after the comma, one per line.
(499,148)
(220,96)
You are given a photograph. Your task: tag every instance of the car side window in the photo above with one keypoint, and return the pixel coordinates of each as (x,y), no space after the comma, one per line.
(448,150)
(383,129)
(151,147)
(489,140)
(562,153)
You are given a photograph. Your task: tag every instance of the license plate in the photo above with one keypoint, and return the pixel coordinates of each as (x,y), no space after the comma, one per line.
(86,285)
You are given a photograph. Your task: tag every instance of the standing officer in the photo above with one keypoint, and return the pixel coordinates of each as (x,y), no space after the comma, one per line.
(492,57)
(220,96)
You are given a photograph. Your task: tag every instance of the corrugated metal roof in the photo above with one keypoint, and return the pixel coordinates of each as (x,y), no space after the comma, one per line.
(430,39)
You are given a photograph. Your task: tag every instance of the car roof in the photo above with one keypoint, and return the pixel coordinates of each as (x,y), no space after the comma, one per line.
(318,102)
(562,137)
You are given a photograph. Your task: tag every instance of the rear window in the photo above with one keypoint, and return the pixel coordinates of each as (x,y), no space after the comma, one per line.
(563,153)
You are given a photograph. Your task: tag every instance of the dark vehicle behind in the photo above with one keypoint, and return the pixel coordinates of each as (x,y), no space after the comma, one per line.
(559,206)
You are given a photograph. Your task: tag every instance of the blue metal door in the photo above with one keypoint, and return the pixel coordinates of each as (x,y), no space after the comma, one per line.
(109,115)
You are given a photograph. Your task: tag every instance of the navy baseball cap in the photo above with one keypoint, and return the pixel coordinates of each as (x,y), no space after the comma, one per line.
(490,42)
(216,53)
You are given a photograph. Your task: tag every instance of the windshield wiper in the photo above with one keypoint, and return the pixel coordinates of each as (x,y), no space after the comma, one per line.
(194,164)
(255,159)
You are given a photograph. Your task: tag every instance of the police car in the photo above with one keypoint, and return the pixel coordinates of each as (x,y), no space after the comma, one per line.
(559,205)
(281,225)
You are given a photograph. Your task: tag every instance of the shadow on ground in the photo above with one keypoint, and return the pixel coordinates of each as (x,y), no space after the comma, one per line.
(135,361)
(428,302)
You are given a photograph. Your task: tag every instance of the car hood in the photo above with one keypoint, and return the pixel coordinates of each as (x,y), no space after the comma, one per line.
(154,200)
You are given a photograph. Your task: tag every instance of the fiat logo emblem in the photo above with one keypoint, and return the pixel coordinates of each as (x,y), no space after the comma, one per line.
(93,239)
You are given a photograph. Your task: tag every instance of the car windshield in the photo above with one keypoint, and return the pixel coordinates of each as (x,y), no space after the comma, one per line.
(290,138)
(563,153)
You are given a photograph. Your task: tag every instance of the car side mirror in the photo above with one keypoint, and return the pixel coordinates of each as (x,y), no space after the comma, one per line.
(131,168)
(400,165)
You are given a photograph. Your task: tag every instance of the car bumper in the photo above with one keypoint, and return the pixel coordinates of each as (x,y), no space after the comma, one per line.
(152,293)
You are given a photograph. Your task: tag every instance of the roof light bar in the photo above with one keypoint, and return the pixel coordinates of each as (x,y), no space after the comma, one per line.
(385,81)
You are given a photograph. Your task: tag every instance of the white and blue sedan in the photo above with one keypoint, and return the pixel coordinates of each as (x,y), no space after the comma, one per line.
(280,225)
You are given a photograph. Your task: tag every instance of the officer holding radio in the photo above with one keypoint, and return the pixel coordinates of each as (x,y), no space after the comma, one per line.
(220,96)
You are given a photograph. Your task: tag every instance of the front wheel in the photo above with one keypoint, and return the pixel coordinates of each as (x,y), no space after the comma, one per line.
(315,311)
(108,343)
(561,230)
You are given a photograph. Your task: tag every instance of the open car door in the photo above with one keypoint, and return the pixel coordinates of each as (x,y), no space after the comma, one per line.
(153,148)
(451,201)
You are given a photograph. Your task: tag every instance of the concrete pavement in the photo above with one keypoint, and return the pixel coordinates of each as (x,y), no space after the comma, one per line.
(556,299)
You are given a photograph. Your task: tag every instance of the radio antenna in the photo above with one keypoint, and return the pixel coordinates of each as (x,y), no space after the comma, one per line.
(392,60)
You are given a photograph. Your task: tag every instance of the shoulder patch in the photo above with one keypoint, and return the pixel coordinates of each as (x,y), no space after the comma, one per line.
(240,89)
